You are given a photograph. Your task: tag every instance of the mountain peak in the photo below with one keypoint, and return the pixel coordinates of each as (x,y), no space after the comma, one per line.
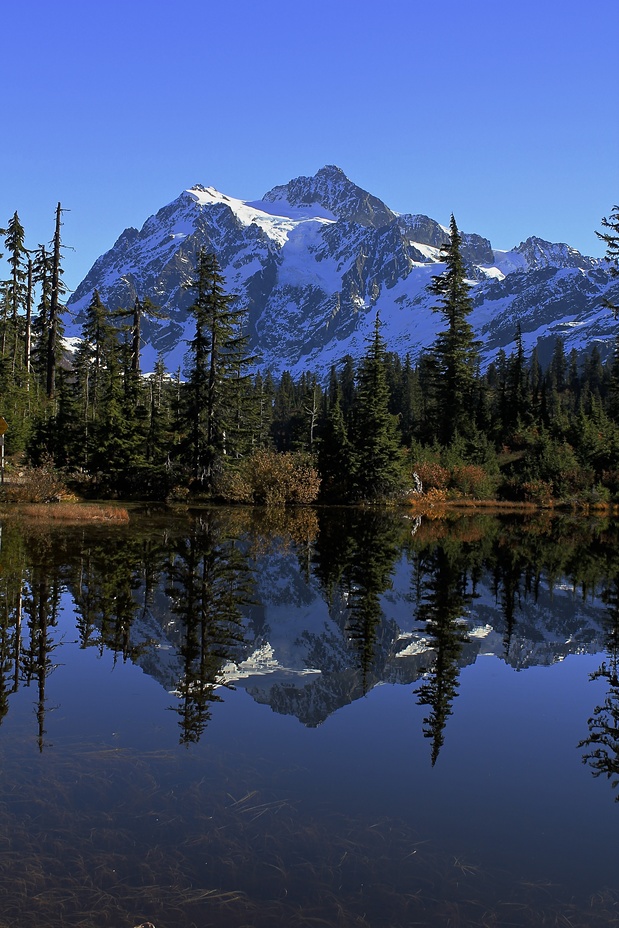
(332,170)
(538,253)
(316,258)
(331,189)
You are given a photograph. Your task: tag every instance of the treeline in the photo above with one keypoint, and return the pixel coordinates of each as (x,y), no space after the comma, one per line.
(376,430)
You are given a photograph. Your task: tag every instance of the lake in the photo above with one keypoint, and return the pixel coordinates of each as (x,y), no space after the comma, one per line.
(334,717)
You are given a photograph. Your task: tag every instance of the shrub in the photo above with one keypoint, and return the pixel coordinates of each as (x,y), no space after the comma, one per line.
(41,484)
(433,476)
(472,480)
(272,478)
(539,492)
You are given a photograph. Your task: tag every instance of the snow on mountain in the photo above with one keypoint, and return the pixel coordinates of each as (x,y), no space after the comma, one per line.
(316,258)
(299,657)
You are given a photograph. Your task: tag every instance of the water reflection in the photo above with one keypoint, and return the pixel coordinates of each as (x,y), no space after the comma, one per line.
(302,613)
(208,584)
(602,745)
(354,560)
(308,612)
(444,600)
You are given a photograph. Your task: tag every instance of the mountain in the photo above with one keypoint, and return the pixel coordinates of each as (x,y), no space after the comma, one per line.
(298,656)
(316,258)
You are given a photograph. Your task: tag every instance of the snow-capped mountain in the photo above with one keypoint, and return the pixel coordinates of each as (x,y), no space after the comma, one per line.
(299,657)
(316,258)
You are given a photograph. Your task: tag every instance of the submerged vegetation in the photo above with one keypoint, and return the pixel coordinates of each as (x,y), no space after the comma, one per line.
(436,428)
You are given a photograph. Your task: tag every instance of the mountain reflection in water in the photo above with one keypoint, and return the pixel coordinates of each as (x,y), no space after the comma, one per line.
(339,717)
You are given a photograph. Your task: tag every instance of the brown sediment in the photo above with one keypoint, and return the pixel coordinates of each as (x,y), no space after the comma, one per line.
(89,844)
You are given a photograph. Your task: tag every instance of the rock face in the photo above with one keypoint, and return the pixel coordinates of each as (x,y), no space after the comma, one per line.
(315,259)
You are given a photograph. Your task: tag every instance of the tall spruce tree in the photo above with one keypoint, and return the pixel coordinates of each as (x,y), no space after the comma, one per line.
(611,239)
(217,377)
(335,454)
(376,442)
(17,288)
(455,350)
(41,276)
(54,328)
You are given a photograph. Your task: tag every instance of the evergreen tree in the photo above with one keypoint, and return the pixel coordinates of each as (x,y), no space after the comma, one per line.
(55,328)
(348,388)
(455,350)
(141,309)
(94,361)
(611,239)
(335,454)
(376,442)
(284,410)
(517,385)
(264,391)
(17,288)
(217,376)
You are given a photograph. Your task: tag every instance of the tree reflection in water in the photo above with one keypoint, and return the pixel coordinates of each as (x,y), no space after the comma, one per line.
(354,558)
(443,606)
(215,834)
(602,745)
(208,583)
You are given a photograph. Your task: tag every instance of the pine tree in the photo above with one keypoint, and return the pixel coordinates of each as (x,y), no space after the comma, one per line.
(376,442)
(612,240)
(335,454)
(141,309)
(217,377)
(455,350)
(99,342)
(517,384)
(54,330)
(17,289)
(42,276)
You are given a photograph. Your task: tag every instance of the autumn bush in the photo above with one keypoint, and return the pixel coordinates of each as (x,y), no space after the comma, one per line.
(271,478)
(472,480)
(433,475)
(539,492)
(41,484)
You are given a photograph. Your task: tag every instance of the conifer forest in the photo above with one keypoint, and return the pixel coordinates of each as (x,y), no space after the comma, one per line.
(385,428)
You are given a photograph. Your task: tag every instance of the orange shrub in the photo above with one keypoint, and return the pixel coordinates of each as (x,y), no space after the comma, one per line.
(271,478)
(472,480)
(433,476)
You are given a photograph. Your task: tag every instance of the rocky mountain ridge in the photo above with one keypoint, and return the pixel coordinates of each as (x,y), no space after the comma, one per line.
(299,657)
(316,258)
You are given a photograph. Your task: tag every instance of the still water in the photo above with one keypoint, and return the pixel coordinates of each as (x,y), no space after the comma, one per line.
(338,718)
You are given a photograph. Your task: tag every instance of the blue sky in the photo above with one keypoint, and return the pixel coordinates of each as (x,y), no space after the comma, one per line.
(505,114)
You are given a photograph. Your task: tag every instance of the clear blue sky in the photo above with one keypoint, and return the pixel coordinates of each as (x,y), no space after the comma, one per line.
(506,114)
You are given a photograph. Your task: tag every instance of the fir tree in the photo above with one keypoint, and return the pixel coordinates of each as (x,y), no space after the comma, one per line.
(376,442)
(42,276)
(611,239)
(517,385)
(95,359)
(17,289)
(335,454)
(55,328)
(217,375)
(455,350)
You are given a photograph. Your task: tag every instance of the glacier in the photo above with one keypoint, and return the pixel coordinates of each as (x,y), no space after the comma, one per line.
(315,259)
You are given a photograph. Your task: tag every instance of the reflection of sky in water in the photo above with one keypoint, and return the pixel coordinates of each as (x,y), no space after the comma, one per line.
(509,792)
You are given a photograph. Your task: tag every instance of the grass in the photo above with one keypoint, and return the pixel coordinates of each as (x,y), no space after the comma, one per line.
(67,512)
